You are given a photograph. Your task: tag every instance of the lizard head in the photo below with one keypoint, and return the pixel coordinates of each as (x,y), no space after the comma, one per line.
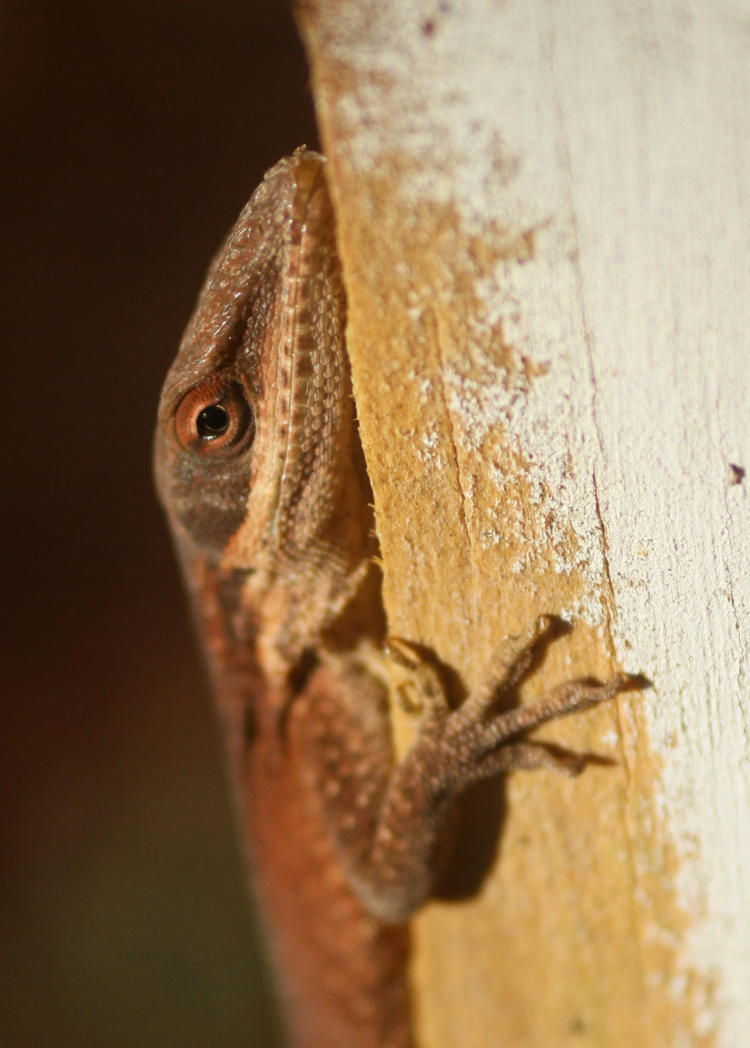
(256,455)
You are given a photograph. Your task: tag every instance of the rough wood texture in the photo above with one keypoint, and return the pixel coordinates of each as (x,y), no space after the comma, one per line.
(544,225)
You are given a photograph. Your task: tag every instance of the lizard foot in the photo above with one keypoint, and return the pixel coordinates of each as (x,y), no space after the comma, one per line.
(473,742)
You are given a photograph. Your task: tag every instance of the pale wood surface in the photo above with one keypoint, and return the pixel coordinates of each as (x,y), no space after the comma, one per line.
(544,218)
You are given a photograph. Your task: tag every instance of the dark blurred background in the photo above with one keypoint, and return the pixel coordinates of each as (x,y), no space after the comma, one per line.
(131,136)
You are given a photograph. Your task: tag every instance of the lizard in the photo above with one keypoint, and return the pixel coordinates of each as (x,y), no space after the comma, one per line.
(260,470)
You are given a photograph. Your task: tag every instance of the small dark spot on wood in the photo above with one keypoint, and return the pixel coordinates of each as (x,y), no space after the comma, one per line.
(577,1025)
(736,474)
(428,27)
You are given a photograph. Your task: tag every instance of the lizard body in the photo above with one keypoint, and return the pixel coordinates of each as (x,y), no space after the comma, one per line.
(259,468)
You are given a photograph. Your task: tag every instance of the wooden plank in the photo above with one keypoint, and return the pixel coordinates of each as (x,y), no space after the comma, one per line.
(544,222)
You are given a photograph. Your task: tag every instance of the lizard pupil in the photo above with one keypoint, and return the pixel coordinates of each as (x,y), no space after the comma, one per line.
(212,422)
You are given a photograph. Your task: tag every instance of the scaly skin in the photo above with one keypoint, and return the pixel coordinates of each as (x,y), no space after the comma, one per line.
(259,468)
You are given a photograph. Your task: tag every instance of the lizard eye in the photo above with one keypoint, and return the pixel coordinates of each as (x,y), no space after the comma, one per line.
(215,418)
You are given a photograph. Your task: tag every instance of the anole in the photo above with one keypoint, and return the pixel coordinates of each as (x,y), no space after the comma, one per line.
(261,473)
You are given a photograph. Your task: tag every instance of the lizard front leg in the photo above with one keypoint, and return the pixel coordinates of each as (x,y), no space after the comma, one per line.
(388,820)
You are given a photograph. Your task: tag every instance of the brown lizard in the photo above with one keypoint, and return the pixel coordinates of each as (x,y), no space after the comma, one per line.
(259,468)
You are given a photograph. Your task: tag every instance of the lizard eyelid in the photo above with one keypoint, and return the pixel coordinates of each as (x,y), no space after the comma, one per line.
(215,418)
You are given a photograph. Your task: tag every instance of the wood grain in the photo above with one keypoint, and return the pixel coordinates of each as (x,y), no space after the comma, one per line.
(544,223)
